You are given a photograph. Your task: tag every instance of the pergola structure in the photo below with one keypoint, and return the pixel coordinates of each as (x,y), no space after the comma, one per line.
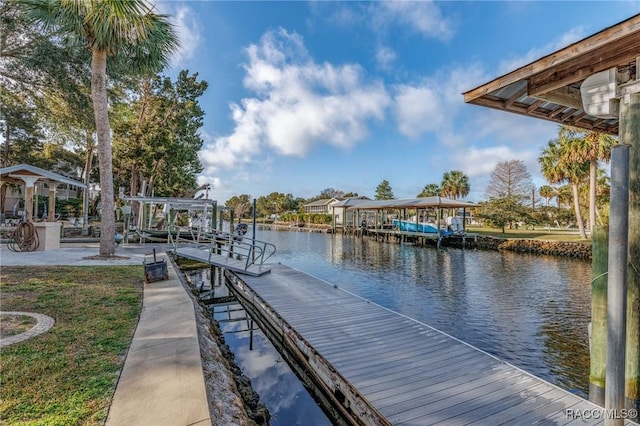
(27,175)
(594,84)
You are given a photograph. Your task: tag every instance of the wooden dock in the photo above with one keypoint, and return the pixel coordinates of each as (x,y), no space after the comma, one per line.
(385,368)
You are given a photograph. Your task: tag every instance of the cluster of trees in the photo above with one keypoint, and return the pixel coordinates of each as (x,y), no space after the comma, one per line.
(569,161)
(572,158)
(275,203)
(76,75)
(454,185)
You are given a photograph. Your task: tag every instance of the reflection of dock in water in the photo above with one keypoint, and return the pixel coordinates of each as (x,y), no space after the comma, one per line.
(376,366)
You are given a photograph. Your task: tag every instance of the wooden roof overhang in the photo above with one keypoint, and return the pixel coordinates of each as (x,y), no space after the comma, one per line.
(549,88)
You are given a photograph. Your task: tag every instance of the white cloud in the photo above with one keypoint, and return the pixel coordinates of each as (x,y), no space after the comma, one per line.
(476,161)
(433,105)
(418,109)
(423,17)
(298,104)
(385,57)
(187,27)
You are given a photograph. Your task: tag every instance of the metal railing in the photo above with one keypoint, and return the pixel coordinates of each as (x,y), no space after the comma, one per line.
(249,250)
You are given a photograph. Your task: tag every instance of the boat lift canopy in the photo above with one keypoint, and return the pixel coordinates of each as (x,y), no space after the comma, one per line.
(411,203)
(176,203)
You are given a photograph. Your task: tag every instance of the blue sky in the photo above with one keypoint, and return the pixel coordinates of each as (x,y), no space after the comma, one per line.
(305,96)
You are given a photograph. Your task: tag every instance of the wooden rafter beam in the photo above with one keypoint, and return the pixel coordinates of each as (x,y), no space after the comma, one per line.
(535,105)
(599,125)
(515,97)
(557,111)
(572,115)
(567,96)
(617,53)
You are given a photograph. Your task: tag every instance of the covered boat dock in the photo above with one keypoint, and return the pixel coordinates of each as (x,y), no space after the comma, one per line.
(407,219)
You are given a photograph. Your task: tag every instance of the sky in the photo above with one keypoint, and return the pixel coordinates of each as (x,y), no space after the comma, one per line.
(305,96)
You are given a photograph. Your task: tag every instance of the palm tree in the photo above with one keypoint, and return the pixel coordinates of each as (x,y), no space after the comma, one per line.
(455,184)
(591,146)
(429,190)
(564,196)
(547,192)
(124,30)
(557,167)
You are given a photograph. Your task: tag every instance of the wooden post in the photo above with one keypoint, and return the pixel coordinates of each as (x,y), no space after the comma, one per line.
(28,204)
(333,220)
(52,202)
(29,183)
(629,133)
(598,331)
(214,213)
(617,285)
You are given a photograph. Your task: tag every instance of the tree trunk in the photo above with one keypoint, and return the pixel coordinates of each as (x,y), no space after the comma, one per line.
(134,185)
(87,176)
(593,169)
(5,163)
(5,153)
(101,111)
(576,206)
(134,188)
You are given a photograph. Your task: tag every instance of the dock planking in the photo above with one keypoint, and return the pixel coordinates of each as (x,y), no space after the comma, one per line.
(408,372)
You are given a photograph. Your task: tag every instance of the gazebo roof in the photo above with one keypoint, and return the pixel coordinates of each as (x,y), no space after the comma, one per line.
(12,174)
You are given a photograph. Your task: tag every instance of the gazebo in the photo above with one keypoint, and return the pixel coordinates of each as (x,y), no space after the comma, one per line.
(48,233)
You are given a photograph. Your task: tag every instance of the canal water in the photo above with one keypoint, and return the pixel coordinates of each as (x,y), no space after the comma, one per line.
(531,311)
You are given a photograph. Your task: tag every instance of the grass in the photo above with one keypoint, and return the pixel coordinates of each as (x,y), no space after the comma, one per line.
(67,376)
(10,325)
(536,234)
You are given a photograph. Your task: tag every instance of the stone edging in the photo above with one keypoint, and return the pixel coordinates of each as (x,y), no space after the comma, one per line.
(44,324)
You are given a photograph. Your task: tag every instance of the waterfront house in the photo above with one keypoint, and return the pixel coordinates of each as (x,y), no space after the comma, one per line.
(321,206)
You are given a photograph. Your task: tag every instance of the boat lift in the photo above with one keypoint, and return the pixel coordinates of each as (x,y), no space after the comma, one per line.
(164,230)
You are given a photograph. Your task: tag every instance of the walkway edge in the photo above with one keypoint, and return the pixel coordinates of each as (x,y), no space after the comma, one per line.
(162,381)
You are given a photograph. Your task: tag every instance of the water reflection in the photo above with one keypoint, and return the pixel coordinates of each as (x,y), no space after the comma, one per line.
(531,311)
(280,390)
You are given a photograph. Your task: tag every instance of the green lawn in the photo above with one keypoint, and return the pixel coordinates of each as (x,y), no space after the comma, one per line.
(537,234)
(67,376)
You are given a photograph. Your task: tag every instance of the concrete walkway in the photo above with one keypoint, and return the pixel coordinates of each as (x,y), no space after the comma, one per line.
(162,382)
